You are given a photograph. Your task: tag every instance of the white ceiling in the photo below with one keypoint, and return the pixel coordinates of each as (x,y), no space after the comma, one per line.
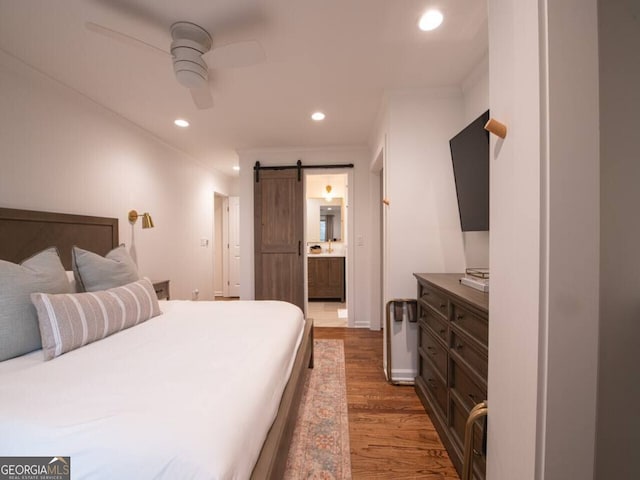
(338,56)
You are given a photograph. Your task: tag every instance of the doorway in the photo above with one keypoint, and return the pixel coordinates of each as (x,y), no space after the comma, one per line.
(226,257)
(326,247)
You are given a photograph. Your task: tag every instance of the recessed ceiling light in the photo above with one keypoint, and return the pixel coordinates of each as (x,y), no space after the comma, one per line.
(180,122)
(430,20)
(318,116)
(236,168)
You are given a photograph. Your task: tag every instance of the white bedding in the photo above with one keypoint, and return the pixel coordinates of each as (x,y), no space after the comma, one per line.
(189,394)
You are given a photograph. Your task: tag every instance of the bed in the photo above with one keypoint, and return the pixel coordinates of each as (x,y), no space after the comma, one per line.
(204,390)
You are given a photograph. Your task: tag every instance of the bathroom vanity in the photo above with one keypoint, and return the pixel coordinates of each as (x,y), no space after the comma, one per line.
(326,277)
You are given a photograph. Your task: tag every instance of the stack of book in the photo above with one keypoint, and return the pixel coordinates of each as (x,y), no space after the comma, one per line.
(477,278)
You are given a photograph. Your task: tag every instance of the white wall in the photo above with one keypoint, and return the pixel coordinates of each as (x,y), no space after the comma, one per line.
(475,91)
(618,432)
(544,240)
(377,231)
(359,251)
(515,240)
(61,152)
(573,244)
(422,222)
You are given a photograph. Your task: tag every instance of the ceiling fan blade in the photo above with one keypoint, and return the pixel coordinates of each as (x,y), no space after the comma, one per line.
(202,97)
(235,55)
(123,38)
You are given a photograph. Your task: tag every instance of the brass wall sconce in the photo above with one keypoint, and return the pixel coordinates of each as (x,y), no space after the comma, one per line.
(147,221)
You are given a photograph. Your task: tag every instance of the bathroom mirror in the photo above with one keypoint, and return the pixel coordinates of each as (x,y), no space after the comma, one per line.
(324,220)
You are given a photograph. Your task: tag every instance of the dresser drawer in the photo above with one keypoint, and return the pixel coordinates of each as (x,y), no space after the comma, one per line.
(465,386)
(474,325)
(452,344)
(436,388)
(435,300)
(434,351)
(438,325)
(470,352)
(457,422)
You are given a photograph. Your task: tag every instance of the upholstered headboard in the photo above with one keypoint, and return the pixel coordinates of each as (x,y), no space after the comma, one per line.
(25,232)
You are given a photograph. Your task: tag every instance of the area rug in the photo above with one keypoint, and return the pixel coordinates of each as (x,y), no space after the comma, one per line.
(320,445)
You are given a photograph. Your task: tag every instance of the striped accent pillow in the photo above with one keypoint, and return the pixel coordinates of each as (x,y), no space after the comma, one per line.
(69,321)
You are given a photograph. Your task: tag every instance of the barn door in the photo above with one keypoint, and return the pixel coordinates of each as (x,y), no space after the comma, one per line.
(278,229)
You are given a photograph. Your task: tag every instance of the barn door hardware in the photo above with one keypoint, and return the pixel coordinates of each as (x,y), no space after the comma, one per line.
(298,166)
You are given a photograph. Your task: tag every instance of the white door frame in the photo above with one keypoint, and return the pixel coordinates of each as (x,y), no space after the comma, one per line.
(225,246)
(234,245)
(350,257)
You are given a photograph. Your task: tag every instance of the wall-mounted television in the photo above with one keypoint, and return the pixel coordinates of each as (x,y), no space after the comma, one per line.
(470,156)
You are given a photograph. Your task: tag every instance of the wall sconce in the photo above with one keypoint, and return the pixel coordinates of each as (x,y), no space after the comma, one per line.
(147,221)
(328,195)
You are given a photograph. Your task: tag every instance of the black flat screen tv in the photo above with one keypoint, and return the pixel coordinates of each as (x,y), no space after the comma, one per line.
(470,156)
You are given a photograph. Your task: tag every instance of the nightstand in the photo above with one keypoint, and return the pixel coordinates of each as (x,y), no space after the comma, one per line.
(162,289)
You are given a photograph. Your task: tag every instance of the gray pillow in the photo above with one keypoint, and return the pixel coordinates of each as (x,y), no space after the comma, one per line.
(94,272)
(43,272)
(70,321)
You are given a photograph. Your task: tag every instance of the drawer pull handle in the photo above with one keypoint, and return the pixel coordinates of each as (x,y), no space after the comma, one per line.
(477,453)
(442,305)
(459,346)
(442,330)
(459,316)
(472,397)
(432,383)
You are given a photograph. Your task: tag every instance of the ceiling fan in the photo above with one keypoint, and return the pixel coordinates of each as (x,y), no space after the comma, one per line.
(193,56)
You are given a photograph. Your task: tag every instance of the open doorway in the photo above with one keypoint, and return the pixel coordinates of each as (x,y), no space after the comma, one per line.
(226,259)
(326,237)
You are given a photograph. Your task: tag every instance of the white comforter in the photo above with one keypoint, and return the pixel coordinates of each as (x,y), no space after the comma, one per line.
(189,394)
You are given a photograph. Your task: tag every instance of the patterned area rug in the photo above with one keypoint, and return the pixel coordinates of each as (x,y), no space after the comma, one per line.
(320,445)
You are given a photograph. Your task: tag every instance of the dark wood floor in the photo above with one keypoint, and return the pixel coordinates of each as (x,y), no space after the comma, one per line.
(391,436)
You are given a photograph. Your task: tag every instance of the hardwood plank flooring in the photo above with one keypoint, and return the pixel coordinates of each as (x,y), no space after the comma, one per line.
(391,436)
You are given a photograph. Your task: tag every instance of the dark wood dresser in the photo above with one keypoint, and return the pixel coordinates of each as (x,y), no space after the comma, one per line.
(453,354)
